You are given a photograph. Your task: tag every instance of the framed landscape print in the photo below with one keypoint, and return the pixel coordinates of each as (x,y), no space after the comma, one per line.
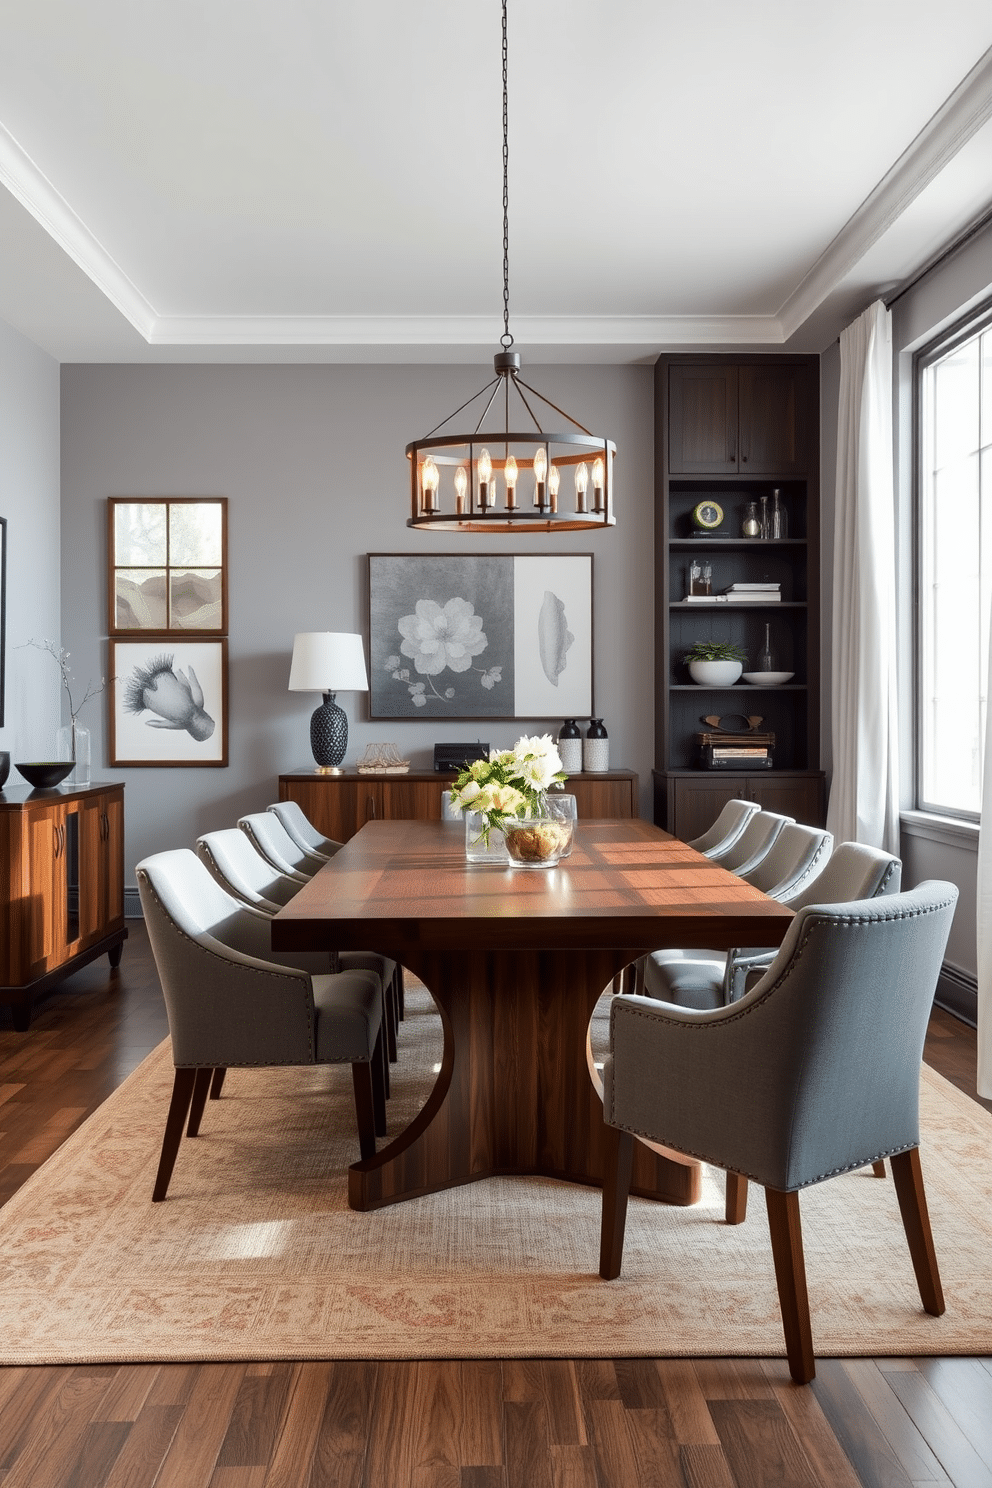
(480,636)
(167,565)
(168,701)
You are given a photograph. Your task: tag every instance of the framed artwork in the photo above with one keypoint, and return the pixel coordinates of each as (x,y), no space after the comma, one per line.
(167,565)
(480,636)
(3,612)
(168,701)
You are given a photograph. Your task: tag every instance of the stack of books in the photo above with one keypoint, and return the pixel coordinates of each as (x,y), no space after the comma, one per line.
(754,593)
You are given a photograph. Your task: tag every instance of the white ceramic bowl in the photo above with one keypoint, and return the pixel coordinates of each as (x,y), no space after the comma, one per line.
(767,679)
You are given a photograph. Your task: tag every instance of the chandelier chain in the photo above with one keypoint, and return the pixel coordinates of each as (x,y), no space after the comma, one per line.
(506,340)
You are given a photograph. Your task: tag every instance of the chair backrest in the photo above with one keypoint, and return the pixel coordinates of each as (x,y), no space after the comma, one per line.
(754,842)
(269,837)
(243,872)
(836,1026)
(302,830)
(721,836)
(797,857)
(204,980)
(855,871)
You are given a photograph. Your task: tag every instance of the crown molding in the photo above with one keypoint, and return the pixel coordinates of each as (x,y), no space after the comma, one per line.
(36,194)
(645,332)
(963,114)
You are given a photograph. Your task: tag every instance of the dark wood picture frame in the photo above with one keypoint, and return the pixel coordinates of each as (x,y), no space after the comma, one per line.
(480,635)
(168,701)
(158,595)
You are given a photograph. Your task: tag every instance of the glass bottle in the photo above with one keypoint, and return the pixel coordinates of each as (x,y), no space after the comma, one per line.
(72,742)
(751,525)
(780,519)
(707,579)
(766,528)
(766,656)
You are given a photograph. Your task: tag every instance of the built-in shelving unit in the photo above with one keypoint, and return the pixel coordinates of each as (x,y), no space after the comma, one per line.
(730,432)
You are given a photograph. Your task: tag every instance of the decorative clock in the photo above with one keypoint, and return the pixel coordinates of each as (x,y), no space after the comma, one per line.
(706,517)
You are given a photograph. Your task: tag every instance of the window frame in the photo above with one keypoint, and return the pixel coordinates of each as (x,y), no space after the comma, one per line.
(965,328)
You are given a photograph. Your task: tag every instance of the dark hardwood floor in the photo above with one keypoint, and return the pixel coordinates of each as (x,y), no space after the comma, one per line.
(626,1423)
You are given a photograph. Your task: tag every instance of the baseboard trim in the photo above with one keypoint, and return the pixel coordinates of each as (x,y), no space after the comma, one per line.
(957,993)
(132,904)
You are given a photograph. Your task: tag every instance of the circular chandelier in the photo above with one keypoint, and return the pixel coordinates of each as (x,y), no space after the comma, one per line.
(500,480)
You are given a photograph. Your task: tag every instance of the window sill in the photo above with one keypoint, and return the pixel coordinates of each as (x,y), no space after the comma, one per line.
(944,829)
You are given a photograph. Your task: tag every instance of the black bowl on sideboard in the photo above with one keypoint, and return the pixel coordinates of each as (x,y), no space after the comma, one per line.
(43,774)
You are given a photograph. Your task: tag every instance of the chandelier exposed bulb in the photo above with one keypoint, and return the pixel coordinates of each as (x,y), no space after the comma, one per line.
(429,479)
(485,477)
(510,475)
(581,486)
(597,485)
(461,486)
(540,473)
(554,481)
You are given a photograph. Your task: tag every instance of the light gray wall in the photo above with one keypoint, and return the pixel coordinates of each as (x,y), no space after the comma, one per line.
(29,499)
(947,292)
(312,462)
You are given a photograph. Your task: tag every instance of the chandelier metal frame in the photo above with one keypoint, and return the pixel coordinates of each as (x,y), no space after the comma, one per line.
(482,492)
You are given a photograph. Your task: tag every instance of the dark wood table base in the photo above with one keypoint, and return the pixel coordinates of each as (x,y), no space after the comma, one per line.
(516,1062)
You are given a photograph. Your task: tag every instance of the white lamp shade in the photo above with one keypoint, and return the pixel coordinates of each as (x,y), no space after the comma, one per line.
(328,661)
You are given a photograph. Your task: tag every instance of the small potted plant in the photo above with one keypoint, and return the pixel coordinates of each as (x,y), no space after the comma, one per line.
(715,663)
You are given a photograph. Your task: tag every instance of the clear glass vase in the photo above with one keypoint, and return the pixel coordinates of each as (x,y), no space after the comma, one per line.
(482,846)
(72,742)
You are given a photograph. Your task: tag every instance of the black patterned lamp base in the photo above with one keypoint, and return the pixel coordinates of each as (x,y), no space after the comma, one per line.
(328,734)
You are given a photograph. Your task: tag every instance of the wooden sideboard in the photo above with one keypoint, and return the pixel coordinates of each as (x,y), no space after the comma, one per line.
(61,886)
(338,805)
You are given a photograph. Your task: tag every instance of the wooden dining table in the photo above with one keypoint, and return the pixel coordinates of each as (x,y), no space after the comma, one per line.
(516,960)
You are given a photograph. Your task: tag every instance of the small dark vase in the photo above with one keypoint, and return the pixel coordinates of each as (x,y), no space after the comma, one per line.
(596,747)
(570,747)
(4,767)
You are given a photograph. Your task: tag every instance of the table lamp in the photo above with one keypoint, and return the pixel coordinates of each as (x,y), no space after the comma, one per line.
(328,661)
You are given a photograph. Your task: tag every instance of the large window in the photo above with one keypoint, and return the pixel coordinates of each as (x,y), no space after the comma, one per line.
(955,567)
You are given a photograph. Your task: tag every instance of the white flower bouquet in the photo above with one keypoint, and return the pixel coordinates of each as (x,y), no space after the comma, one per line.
(511,784)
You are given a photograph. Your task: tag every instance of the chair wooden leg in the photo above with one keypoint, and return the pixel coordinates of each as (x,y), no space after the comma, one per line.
(907,1175)
(736,1207)
(182,1094)
(400,996)
(618,1165)
(217,1083)
(201,1089)
(361,1075)
(379,1066)
(790,1275)
(878,1168)
(389,1018)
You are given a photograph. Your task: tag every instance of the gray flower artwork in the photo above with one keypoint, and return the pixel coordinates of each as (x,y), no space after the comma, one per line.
(480,636)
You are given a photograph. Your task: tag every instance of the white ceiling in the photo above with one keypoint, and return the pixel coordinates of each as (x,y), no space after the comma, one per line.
(249,180)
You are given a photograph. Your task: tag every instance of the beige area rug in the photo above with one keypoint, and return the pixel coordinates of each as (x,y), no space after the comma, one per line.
(255,1254)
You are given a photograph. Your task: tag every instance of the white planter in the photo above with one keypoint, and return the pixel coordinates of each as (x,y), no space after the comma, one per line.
(715,673)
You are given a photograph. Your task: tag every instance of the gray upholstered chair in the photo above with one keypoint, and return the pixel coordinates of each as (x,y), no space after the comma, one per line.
(815,1072)
(242,872)
(702,979)
(755,842)
(232,1003)
(302,830)
(269,837)
(721,836)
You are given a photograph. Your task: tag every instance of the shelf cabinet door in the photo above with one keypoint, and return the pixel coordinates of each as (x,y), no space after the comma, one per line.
(101,867)
(687,805)
(771,436)
(703,419)
(51,930)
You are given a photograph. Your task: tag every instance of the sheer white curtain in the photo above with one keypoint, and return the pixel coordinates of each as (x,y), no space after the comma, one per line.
(864,793)
(984,911)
